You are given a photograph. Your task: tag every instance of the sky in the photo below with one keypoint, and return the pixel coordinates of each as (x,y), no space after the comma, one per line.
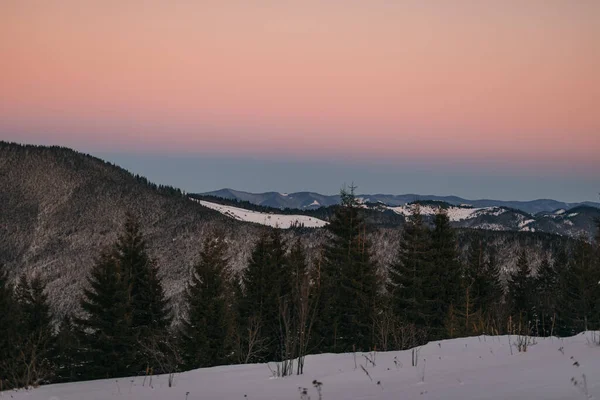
(471,98)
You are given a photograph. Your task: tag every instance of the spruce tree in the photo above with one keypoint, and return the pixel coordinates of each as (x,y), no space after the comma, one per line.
(349,281)
(150,309)
(264,281)
(579,301)
(65,352)
(108,343)
(34,339)
(490,295)
(546,287)
(442,288)
(520,292)
(409,272)
(205,330)
(8,329)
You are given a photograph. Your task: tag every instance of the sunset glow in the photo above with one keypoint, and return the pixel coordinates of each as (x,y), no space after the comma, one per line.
(512,80)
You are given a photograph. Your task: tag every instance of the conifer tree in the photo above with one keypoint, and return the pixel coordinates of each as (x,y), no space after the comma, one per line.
(348,281)
(30,364)
(520,290)
(546,287)
(264,281)
(442,288)
(65,352)
(108,343)
(579,301)
(490,293)
(150,316)
(8,329)
(205,330)
(409,271)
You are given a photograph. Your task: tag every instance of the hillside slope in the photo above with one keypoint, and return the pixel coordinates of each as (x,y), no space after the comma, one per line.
(482,367)
(59,208)
(311,200)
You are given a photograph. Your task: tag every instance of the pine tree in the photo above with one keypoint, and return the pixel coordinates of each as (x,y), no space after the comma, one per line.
(8,329)
(150,309)
(520,290)
(127,308)
(264,281)
(490,293)
(33,305)
(410,270)
(442,289)
(34,340)
(205,330)
(579,301)
(108,343)
(65,352)
(546,286)
(348,281)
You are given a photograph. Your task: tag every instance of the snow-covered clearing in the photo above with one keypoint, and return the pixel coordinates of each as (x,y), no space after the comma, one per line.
(454,213)
(275,220)
(471,368)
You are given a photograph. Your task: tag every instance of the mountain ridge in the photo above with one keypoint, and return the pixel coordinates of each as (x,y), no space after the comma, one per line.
(306,199)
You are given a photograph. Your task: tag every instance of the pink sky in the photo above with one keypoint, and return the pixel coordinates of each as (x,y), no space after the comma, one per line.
(486,80)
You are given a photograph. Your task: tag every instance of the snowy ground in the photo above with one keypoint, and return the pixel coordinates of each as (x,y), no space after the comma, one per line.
(455,213)
(460,369)
(274,220)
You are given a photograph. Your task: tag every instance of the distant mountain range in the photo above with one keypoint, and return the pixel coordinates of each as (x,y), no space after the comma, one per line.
(311,200)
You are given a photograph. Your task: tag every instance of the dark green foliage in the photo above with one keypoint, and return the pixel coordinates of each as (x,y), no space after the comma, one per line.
(127,312)
(409,272)
(150,309)
(65,352)
(520,291)
(108,344)
(264,282)
(8,328)
(443,287)
(546,288)
(348,282)
(579,303)
(29,362)
(33,305)
(205,330)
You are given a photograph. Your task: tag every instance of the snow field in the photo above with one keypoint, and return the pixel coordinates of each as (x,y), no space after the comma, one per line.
(273,220)
(482,367)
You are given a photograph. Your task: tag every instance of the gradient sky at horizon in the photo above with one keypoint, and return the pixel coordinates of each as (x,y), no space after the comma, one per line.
(472,98)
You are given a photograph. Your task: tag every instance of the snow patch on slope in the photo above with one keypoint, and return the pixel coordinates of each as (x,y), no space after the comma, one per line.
(454,213)
(481,367)
(274,220)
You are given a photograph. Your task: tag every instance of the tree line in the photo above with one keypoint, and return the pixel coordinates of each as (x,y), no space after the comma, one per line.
(281,307)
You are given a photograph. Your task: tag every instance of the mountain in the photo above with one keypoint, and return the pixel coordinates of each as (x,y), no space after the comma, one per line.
(311,200)
(577,222)
(59,208)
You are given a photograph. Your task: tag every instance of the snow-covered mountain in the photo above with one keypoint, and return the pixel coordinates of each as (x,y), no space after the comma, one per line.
(274,220)
(481,367)
(311,200)
(578,221)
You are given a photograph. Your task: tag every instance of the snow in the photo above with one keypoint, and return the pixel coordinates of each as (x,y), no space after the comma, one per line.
(560,212)
(274,220)
(284,194)
(454,213)
(314,203)
(522,224)
(482,367)
(572,215)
